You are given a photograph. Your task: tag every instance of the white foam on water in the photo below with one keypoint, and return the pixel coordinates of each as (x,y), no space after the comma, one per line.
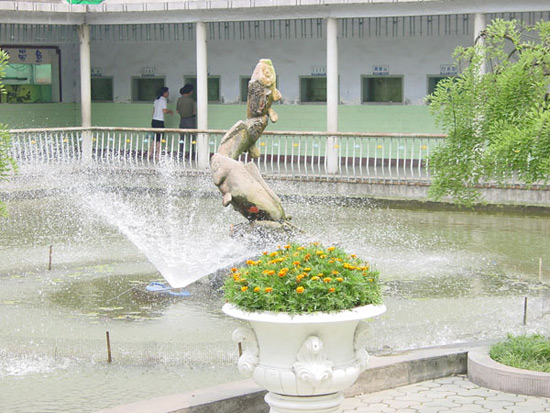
(11,365)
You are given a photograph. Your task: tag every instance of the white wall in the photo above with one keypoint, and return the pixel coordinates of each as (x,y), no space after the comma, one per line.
(413,57)
(70,72)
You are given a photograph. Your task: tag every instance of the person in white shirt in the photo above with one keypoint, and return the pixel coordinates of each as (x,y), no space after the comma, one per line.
(160,108)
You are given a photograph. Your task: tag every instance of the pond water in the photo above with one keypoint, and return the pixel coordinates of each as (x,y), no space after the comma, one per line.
(447,277)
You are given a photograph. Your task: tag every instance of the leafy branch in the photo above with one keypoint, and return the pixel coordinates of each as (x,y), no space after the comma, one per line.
(7,163)
(497,122)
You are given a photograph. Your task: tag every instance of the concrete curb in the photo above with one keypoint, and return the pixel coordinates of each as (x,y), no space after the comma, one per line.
(384,372)
(236,397)
(485,372)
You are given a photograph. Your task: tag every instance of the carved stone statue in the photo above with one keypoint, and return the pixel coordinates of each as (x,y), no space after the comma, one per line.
(241,184)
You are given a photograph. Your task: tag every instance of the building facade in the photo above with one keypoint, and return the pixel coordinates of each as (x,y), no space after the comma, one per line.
(355,54)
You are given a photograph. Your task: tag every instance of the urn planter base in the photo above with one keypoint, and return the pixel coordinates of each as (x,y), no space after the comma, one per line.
(305,361)
(326,403)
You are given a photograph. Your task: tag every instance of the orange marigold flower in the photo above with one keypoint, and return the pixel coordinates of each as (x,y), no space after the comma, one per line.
(353,256)
(307,269)
(330,261)
(307,257)
(331,289)
(315,243)
(319,252)
(233,270)
(244,288)
(300,290)
(335,272)
(273,254)
(327,279)
(250,262)
(256,289)
(265,253)
(287,247)
(330,249)
(296,263)
(339,279)
(371,280)
(300,248)
(268,289)
(282,273)
(315,278)
(323,256)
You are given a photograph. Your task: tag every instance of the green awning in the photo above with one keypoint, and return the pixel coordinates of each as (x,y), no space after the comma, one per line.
(84,1)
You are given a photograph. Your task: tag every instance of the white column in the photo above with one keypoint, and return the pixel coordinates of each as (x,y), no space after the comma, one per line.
(332,95)
(85,90)
(203,148)
(480,24)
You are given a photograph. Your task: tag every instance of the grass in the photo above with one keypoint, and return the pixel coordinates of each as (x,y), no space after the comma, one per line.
(523,352)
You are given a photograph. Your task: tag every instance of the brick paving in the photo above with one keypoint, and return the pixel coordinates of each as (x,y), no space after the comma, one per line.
(448,394)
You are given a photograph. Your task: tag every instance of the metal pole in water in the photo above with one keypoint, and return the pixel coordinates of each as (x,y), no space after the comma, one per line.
(525,311)
(240,349)
(50,260)
(540,269)
(109,359)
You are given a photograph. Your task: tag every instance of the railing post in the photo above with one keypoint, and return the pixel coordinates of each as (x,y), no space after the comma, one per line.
(203,149)
(332,95)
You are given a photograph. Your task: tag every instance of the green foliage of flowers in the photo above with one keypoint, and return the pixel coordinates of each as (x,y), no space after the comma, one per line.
(523,352)
(303,279)
(7,163)
(498,122)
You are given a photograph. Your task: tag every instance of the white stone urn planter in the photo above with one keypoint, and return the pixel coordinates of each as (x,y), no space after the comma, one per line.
(305,361)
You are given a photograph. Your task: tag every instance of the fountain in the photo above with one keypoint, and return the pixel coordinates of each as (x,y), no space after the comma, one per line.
(449,276)
(466,275)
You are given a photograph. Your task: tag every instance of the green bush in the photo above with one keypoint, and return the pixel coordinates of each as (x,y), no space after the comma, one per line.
(496,113)
(7,164)
(523,352)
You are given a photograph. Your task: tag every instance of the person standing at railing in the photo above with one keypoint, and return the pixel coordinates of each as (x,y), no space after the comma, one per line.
(187,109)
(160,108)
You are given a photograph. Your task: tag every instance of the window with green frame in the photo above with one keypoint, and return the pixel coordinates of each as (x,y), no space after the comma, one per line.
(244,88)
(146,89)
(214,95)
(382,89)
(27,83)
(313,89)
(433,81)
(102,89)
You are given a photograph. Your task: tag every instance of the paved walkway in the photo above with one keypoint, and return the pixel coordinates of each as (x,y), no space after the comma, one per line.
(449,394)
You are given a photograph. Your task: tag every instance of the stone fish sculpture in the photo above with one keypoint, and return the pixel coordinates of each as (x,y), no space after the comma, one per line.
(241,184)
